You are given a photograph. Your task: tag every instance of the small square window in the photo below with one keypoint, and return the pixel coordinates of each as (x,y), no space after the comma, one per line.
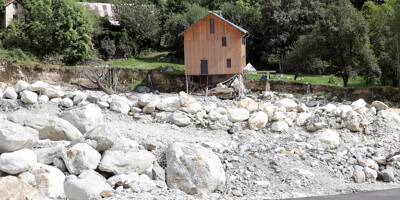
(224,41)
(228,63)
(212,26)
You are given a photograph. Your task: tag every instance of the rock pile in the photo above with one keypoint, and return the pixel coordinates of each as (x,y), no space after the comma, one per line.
(77,155)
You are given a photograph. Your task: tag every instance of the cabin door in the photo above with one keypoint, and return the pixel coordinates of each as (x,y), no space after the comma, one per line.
(204,67)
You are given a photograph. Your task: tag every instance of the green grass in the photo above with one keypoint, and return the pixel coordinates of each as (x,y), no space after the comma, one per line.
(147,62)
(328,80)
(18,56)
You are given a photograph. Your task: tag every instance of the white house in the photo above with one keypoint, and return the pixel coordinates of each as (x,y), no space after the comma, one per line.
(13,10)
(103,10)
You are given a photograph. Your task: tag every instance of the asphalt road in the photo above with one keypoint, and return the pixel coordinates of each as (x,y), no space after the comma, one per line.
(393,194)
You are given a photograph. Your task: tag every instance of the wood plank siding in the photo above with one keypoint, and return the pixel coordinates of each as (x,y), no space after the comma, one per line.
(201,44)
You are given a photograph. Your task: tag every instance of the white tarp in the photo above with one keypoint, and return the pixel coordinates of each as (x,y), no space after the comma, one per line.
(249,68)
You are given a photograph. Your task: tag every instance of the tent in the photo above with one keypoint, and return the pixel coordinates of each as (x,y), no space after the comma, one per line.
(249,68)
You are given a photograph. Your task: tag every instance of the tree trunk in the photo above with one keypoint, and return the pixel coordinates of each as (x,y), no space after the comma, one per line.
(345,77)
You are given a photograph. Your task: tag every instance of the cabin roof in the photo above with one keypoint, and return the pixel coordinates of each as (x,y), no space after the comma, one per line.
(223,19)
(8,2)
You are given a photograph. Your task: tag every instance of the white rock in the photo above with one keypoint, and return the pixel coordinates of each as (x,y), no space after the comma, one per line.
(104,135)
(258,120)
(370,164)
(330,108)
(379,105)
(66,103)
(145,99)
(9,93)
(301,107)
(302,118)
(193,169)
(280,126)
(29,97)
(21,86)
(53,92)
(151,107)
(288,104)
(120,104)
(12,188)
(43,98)
(17,161)
(191,108)
(119,162)
(125,145)
(169,104)
(84,118)
(28,178)
(128,178)
(358,174)
(60,129)
(268,108)
(79,96)
(145,184)
(370,174)
(249,104)
(186,99)
(359,104)
(81,157)
(85,189)
(329,137)
(56,101)
(180,119)
(91,174)
(49,180)
(39,86)
(103,104)
(15,137)
(238,114)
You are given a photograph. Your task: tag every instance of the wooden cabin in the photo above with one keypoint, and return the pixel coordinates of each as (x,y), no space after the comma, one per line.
(214,46)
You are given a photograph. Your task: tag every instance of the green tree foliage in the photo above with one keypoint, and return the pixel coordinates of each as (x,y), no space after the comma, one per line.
(141,20)
(178,23)
(340,38)
(52,27)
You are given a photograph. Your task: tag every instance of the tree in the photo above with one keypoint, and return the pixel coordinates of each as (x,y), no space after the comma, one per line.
(141,20)
(178,23)
(341,39)
(52,27)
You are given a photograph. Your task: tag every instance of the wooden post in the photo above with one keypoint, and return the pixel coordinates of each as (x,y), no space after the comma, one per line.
(187,84)
(207,87)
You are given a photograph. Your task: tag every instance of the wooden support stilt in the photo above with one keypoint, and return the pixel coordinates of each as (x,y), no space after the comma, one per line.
(207,87)
(187,84)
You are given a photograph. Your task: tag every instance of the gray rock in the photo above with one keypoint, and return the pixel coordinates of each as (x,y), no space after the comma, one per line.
(280,126)
(119,162)
(66,103)
(17,161)
(39,86)
(12,188)
(9,93)
(85,117)
(238,114)
(379,105)
(49,180)
(60,129)
(193,169)
(53,92)
(29,97)
(85,189)
(288,104)
(169,104)
(258,120)
(387,175)
(81,157)
(180,119)
(120,104)
(104,135)
(15,137)
(21,86)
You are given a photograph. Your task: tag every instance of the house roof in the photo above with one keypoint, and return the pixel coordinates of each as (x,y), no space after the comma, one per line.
(8,2)
(223,19)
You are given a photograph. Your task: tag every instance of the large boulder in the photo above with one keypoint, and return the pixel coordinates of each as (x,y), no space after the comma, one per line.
(15,137)
(120,104)
(238,114)
(78,96)
(80,157)
(60,129)
(21,86)
(53,92)
(104,136)
(119,162)
(258,120)
(169,104)
(359,104)
(13,188)
(379,105)
(29,97)
(17,161)
(85,189)
(39,87)
(49,180)
(288,104)
(180,119)
(85,117)
(193,169)
(249,104)
(9,93)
